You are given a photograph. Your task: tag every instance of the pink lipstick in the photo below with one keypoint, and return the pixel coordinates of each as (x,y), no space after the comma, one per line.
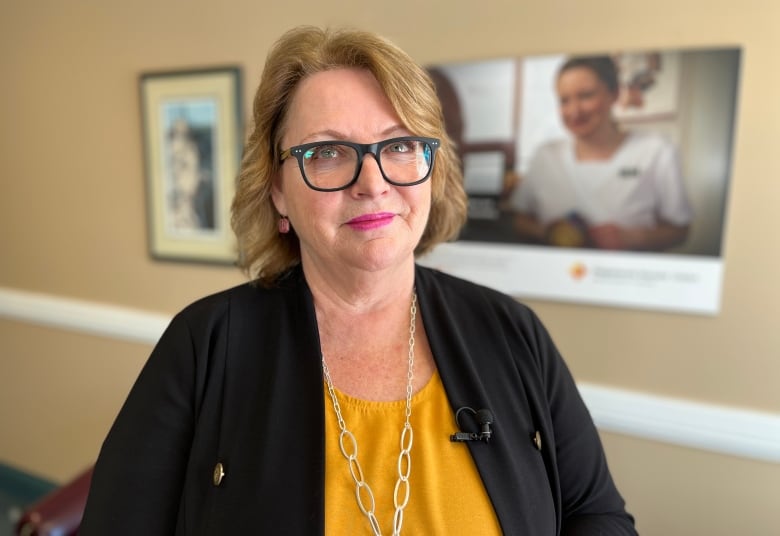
(367,222)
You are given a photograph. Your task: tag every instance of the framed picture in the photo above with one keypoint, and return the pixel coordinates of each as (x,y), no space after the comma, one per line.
(192,144)
(649,85)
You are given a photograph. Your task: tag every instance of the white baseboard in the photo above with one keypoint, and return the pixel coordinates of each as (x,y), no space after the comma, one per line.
(726,430)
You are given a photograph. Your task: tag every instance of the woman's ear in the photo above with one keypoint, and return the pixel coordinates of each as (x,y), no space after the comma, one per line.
(277,195)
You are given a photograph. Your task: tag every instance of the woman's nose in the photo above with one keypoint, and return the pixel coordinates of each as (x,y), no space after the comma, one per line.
(370,179)
(571,109)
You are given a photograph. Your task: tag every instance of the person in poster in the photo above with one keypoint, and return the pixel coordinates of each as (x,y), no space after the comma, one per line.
(191,197)
(602,187)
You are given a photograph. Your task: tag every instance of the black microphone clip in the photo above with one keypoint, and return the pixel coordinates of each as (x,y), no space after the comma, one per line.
(484,419)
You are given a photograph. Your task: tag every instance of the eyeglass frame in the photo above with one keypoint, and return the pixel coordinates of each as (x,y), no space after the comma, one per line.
(362,149)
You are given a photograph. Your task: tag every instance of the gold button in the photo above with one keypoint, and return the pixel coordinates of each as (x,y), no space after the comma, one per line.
(538,440)
(219,474)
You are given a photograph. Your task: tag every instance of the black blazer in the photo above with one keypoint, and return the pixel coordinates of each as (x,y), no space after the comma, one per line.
(236,379)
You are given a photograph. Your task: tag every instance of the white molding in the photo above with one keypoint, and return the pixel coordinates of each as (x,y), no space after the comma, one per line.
(722,429)
(82,316)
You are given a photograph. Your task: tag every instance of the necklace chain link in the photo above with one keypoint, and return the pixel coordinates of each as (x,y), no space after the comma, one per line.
(349,447)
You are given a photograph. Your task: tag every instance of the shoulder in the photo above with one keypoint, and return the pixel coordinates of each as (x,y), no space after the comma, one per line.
(549,160)
(467,320)
(646,141)
(554,148)
(249,300)
(216,304)
(440,281)
(457,294)
(654,151)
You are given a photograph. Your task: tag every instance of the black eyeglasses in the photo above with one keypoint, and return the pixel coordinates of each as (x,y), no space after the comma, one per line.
(328,166)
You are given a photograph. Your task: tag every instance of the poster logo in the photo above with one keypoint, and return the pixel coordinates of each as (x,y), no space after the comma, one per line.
(577,271)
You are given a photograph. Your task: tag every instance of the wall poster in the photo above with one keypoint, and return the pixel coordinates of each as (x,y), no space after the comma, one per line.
(597,179)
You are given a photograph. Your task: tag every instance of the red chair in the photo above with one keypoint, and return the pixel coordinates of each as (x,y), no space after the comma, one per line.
(59,512)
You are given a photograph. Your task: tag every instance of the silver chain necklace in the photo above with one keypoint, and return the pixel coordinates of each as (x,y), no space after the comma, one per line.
(349,448)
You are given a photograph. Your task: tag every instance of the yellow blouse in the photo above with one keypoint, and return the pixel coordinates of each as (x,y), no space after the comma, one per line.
(447,495)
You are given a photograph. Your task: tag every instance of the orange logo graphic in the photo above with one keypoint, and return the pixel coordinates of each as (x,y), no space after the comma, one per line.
(578,270)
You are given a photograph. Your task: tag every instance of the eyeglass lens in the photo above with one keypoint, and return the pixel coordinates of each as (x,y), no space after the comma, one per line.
(333,165)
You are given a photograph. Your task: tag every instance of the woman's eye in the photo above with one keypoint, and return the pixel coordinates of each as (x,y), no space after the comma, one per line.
(400,147)
(329,152)
(326,152)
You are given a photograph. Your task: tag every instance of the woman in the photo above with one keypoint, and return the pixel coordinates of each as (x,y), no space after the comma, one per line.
(605,187)
(248,416)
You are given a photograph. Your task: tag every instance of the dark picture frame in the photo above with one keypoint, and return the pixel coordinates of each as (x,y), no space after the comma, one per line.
(192,137)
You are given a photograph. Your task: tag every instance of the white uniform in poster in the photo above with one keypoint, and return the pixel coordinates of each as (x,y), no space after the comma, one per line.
(640,186)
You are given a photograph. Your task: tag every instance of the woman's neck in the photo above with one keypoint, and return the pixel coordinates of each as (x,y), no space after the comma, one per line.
(356,292)
(363,323)
(600,145)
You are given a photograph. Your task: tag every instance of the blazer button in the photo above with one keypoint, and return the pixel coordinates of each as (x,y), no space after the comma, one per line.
(538,440)
(219,473)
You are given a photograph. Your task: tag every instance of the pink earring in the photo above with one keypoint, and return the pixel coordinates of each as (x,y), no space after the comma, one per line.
(284,225)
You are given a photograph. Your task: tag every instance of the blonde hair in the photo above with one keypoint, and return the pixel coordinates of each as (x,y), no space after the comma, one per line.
(264,253)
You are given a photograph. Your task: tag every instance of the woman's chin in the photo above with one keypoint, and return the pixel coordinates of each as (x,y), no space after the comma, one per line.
(581,131)
(381,254)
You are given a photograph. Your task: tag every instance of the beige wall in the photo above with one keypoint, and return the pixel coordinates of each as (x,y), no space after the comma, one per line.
(72,219)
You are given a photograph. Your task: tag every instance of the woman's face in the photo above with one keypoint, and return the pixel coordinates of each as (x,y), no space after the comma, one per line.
(372,225)
(585,101)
